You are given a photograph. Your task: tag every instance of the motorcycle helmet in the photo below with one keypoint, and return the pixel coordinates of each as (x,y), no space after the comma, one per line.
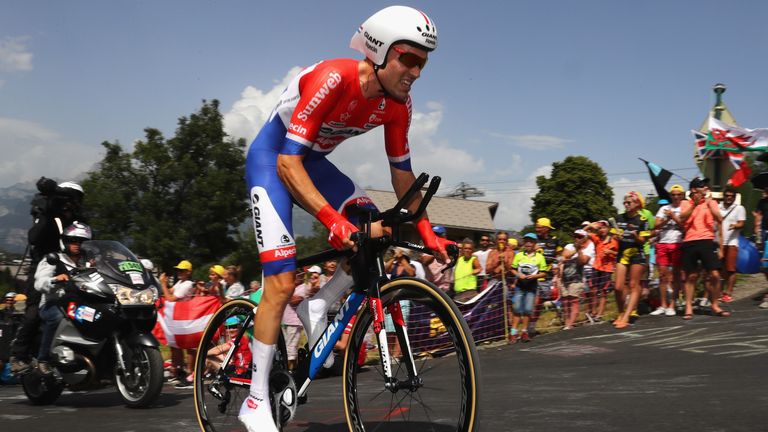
(77,231)
(392,25)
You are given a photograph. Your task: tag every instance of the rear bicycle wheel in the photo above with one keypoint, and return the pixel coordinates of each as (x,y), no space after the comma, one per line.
(442,394)
(219,388)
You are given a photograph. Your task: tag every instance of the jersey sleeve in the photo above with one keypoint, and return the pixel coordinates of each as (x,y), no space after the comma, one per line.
(319,91)
(396,137)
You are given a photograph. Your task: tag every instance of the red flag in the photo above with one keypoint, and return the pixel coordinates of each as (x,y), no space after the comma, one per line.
(183,322)
(741,175)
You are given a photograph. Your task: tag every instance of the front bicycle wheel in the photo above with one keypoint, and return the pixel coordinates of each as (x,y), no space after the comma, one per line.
(442,393)
(221,386)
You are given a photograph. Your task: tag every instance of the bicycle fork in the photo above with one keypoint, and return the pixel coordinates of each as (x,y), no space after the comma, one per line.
(392,383)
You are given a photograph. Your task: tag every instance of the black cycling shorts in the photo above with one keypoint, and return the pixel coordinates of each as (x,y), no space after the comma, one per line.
(704,251)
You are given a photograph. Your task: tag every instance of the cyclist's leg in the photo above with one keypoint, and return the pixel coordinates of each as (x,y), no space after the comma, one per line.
(272,206)
(341,193)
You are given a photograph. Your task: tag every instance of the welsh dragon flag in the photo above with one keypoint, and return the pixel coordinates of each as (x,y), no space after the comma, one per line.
(735,139)
(181,324)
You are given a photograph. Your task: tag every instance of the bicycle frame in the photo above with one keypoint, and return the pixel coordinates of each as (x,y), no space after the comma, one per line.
(369,276)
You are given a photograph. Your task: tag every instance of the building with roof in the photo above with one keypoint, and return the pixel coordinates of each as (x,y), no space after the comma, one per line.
(461,217)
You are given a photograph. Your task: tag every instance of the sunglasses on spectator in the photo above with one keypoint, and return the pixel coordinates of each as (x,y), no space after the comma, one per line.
(409,59)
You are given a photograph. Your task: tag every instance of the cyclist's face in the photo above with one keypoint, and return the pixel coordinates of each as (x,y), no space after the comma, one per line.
(398,76)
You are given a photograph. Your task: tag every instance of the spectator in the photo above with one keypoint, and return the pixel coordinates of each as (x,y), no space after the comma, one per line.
(329,268)
(232,279)
(256,291)
(550,247)
(589,251)
(699,215)
(291,324)
(606,248)
(241,359)
(669,244)
(529,267)
(182,290)
(465,273)
(434,269)
(7,309)
(399,265)
(500,259)
(633,232)
(512,242)
(215,286)
(572,265)
(482,254)
(734,218)
(761,233)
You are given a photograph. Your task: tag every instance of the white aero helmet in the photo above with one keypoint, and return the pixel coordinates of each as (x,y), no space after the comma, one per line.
(77,230)
(391,25)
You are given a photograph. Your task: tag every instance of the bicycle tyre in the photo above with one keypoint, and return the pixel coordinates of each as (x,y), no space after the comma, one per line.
(365,397)
(208,407)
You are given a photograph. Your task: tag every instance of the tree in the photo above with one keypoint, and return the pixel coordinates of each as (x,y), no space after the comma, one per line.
(172,199)
(577,190)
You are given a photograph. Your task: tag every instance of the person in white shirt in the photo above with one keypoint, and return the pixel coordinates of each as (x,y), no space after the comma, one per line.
(669,243)
(482,253)
(734,218)
(182,290)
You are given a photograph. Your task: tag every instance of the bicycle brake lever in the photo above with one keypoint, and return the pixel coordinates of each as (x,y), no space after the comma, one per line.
(453,253)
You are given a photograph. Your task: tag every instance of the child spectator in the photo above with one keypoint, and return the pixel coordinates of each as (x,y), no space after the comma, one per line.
(528,266)
(574,259)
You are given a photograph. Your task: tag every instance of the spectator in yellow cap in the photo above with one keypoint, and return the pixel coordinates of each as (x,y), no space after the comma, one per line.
(182,290)
(216,277)
(512,243)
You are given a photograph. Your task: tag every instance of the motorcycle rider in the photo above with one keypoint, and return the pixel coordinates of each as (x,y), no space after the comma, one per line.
(53,208)
(46,278)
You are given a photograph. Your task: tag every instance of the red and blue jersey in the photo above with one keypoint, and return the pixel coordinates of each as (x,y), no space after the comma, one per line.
(320,108)
(324,105)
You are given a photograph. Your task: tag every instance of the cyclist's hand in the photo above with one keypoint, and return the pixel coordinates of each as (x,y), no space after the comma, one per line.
(340,228)
(339,235)
(432,241)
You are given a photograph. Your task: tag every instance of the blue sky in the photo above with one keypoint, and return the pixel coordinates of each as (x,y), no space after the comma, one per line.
(512,87)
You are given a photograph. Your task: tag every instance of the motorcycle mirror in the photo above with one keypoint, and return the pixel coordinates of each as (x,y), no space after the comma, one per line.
(52,258)
(149,265)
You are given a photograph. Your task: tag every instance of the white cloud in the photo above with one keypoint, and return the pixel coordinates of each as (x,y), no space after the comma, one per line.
(252,110)
(532,142)
(31,150)
(14,55)
(515,203)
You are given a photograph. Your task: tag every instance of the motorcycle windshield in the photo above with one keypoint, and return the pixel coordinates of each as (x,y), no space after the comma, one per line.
(115,261)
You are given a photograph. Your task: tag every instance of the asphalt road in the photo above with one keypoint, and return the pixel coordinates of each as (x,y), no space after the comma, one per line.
(661,374)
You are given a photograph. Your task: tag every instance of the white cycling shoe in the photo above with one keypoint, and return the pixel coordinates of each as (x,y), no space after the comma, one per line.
(256,415)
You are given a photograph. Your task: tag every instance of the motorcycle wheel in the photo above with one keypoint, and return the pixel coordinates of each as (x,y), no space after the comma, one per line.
(41,389)
(140,386)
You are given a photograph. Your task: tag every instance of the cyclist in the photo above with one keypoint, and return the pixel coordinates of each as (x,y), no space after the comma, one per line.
(325,104)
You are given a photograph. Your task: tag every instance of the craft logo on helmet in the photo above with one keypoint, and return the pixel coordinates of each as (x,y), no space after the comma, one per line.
(334,79)
(257,218)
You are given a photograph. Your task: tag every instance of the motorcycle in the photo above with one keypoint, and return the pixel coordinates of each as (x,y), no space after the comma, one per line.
(106,333)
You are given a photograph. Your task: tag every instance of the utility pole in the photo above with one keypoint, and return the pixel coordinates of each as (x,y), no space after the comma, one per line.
(464,191)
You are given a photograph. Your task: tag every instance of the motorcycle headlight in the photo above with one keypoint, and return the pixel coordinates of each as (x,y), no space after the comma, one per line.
(130,296)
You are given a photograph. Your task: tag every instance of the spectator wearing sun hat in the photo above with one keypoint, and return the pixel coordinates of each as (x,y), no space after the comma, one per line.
(215,285)
(550,247)
(182,290)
